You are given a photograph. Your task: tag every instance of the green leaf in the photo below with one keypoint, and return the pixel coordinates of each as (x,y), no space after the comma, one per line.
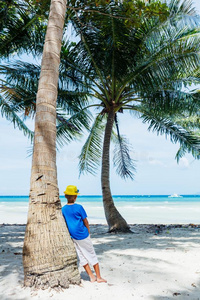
(8,112)
(189,141)
(124,164)
(91,152)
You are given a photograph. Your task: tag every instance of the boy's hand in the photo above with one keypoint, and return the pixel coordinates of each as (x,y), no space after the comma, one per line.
(86,223)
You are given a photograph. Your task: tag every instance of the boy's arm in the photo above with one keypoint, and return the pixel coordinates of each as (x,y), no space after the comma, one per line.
(86,223)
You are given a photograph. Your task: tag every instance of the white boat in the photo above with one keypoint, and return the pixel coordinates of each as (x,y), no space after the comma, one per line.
(175,196)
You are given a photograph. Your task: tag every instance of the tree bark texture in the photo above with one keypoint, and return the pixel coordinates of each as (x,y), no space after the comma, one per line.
(114,219)
(49,256)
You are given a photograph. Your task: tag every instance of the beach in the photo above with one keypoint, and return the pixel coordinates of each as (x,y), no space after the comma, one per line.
(111,89)
(155,262)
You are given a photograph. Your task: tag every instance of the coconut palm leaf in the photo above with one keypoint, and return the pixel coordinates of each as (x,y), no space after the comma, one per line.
(24,76)
(90,156)
(174,56)
(21,99)
(122,160)
(20,89)
(71,128)
(188,140)
(181,7)
(21,73)
(191,122)
(22,27)
(9,113)
(183,150)
(172,101)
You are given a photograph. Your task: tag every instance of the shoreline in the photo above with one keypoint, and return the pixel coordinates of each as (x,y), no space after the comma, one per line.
(161,225)
(157,262)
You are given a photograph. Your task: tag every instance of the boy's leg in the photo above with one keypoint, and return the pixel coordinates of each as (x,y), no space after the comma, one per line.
(89,272)
(97,271)
(86,252)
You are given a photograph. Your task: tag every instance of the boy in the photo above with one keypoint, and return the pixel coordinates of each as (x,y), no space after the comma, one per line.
(78,226)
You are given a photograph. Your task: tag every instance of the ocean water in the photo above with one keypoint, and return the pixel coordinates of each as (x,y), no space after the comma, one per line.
(149,209)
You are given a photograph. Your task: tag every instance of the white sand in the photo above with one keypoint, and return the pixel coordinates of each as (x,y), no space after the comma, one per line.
(137,266)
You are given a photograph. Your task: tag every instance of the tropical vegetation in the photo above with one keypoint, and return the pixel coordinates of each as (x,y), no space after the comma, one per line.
(159,56)
(144,69)
(120,63)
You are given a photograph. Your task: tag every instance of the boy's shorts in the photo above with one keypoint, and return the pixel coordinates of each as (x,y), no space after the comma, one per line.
(85,251)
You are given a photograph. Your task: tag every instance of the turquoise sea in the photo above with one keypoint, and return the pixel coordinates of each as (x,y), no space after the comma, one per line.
(147,209)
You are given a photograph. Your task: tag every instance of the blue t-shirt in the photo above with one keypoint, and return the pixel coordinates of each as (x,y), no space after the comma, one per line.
(74,215)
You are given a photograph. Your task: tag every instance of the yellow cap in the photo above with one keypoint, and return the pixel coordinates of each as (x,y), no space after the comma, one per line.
(71,190)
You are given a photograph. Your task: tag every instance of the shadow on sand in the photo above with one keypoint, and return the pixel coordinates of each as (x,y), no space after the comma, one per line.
(145,238)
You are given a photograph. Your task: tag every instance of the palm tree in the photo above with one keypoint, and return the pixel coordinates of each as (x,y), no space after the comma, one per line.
(119,87)
(49,256)
(142,69)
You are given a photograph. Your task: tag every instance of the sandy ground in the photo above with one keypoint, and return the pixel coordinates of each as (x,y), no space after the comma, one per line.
(153,263)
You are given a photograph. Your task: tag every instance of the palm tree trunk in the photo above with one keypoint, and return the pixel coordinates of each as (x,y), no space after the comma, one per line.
(115,221)
(49,256)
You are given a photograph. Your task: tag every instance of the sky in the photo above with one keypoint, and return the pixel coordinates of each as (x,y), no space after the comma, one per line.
(157,170)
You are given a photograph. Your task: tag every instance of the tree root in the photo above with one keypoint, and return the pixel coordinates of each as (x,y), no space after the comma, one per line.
(55,279)
(120,230)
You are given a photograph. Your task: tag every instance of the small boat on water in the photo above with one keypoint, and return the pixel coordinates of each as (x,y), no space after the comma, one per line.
(175,196)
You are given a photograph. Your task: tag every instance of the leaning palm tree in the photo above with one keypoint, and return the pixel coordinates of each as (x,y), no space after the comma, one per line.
(142,69)
(49,256)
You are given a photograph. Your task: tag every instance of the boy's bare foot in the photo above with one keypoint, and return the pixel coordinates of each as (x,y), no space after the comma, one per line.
(93,278)
(100,279)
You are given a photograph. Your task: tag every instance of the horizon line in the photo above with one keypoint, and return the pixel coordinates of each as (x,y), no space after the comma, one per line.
(129,195)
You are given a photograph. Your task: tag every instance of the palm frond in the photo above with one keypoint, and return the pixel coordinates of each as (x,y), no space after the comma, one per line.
(172,101)
(183,150)
(20,73)
(91,152)
(22,28)
(187,139)
(170,52)
(71,101)
(9,113)
(109,42)
(124,164)
(20,85)
(185,7)
(20,88)
(20,99)
(71,128)
(191,122)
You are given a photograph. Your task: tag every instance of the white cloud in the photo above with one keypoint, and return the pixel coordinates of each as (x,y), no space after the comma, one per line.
(184,163)
(156,162)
